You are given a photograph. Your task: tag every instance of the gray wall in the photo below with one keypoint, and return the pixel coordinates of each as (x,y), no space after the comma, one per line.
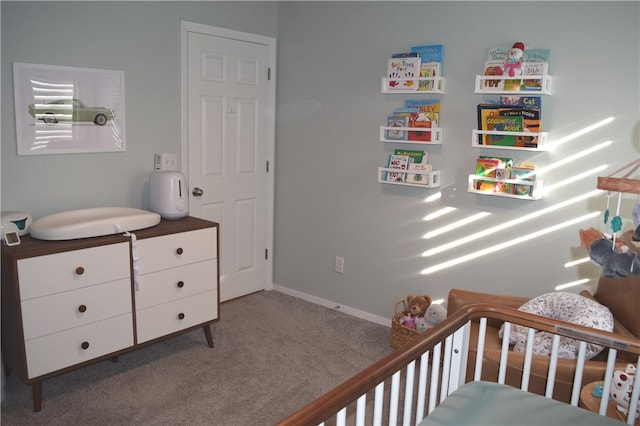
(140,38)
(331,60)
(331,57)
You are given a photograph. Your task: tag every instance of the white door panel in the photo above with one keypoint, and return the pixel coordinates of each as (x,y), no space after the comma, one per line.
(228,148)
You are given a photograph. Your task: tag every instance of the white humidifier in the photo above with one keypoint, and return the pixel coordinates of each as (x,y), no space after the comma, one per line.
(169,194)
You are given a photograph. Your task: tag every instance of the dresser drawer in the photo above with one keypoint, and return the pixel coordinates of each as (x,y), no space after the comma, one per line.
(173,250)
(50,314)
(56,351)
(55,273)
(171,284)
(160,320)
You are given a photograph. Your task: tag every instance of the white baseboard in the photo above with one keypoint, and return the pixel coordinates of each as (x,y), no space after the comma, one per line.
(333,305)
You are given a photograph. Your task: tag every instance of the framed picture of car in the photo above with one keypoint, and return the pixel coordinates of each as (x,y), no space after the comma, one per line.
(64,110)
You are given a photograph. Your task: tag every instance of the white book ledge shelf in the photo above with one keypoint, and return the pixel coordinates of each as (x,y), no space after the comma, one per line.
(536,193)
(431,179)
(542,140)
(436,135)
(437,86)
(483,87)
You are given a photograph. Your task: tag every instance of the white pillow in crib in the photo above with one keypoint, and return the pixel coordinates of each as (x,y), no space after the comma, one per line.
(569,307)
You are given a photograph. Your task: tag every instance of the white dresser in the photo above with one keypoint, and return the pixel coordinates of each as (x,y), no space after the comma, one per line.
(67,304)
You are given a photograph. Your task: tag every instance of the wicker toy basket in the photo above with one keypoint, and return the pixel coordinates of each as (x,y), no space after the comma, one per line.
(399,333)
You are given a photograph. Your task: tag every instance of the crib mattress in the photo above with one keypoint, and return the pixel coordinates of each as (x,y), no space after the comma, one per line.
(485,403)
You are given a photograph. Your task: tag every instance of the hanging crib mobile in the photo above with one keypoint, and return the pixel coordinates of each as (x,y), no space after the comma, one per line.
(614,258)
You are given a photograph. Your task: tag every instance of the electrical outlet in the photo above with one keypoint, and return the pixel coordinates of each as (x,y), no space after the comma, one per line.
(339,268)
(165,162)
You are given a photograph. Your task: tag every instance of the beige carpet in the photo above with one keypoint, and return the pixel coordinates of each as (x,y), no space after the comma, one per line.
(273,354)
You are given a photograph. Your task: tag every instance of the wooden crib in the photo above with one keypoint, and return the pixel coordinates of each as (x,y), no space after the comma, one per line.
(423,382)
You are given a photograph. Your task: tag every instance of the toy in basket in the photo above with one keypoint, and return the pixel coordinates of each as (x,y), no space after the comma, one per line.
(417,315)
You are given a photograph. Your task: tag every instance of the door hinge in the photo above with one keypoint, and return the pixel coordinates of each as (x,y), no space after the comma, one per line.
(266,254)
(267,166)
(268,73)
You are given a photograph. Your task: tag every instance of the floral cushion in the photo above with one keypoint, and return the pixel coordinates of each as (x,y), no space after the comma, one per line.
(569,307)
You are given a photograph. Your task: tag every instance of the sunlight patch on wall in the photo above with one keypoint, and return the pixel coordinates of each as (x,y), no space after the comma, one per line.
(506,244)
(455,225)
(571,284)
(509,224)
(438,213)
(581,132)
(433,197)
(573,157)
(577,262)
(547,190)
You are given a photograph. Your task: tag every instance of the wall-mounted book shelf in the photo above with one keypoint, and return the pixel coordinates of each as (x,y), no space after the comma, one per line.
(429,179)
(532,189)
(484,85)
(436,135)
(437,86)
(542,142)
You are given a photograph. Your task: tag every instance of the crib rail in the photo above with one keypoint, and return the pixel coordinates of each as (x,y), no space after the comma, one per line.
(411,382)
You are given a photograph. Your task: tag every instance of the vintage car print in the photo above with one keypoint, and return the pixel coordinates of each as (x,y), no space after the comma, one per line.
(70,110)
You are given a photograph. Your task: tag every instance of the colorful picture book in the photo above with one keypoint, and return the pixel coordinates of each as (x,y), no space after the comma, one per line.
(431,61)
(401,121)
(399,162)
(417,162)
(509,118)
(416,113)
(535,62)
(493,167)
(404,69)
(523,172)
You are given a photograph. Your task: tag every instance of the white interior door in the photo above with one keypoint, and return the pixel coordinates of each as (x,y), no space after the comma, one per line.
(229,147)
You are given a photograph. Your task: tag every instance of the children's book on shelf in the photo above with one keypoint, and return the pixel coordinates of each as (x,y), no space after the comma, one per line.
(421,179)
(423,113)
(403,69)
(493,68)
(525,171)
(493,167)
(400,162)
(415,155)
(508,118)
(431,57)
(405,55)
(532,62)
(397,121)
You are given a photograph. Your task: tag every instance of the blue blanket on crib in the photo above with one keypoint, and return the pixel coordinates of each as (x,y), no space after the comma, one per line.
(485,403)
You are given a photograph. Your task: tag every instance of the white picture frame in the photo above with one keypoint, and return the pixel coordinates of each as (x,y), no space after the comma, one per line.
(65,110)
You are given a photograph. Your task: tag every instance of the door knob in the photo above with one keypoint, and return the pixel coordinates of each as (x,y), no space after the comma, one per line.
(197,192)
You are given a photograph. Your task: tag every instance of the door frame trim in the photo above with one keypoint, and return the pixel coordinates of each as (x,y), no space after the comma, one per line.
(270,42)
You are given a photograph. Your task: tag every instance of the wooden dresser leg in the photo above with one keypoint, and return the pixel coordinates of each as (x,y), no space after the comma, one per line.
(207,334)
(37,396)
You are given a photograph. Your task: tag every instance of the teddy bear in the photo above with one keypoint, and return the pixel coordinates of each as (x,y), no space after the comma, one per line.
(417,305)
(622,387)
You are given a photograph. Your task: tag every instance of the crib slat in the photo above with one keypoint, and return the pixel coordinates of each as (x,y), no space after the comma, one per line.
(553,366)
(577,379)
(435,370)
(360,410)
(446,368)
(422,386)
(341,417)
(608,377)
(528,354)
(635,394)
(502,373)
(408,394)
(482,331)
(458,361)
(393,403)
(378,404)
